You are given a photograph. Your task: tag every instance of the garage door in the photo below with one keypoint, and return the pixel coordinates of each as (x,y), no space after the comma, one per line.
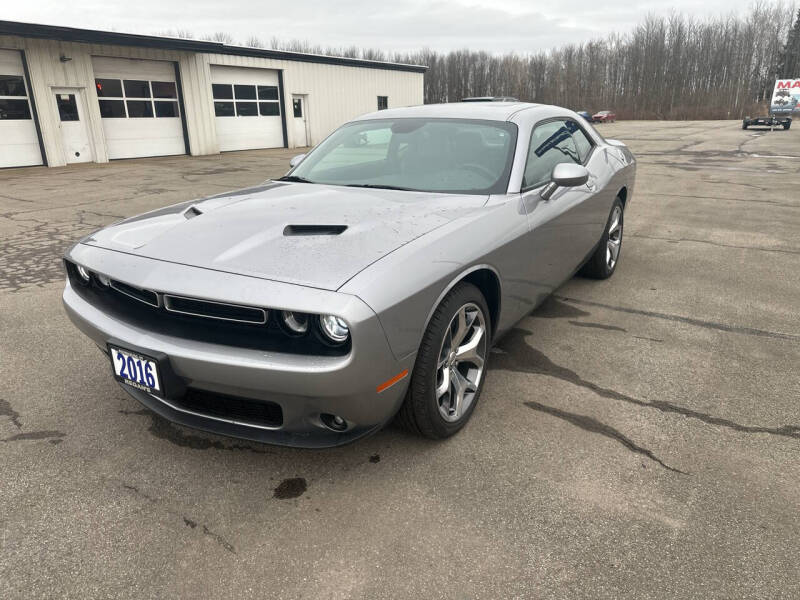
(139,107)
(247,108)
(19,144)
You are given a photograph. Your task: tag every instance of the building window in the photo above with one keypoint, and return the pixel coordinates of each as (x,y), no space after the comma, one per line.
(13,99)
(383,102)
(135,88)
(112,109)
(222,91)
(108,88)
(267,92)
(133,98)
(246,109)
(224,109)
(166,109)
(139,109)
(67,107)
(297,106)
(269,109)
(241,100)
(12,85)
(14,109)
(245,92)
(164,89)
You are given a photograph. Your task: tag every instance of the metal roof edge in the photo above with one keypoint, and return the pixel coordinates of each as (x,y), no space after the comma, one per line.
(93,36)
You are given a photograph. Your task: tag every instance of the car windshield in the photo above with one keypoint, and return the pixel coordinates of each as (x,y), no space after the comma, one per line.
(431,155)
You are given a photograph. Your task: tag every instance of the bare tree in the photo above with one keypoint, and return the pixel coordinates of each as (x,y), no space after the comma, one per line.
(667,67)
(672,67)
(790,56)
(219,36)
(373,54)
(177,33)
(254,42)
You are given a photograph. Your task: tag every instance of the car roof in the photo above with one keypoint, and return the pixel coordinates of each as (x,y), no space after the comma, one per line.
(489,111)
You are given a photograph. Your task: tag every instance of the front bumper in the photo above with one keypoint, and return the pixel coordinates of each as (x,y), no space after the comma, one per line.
(305,387)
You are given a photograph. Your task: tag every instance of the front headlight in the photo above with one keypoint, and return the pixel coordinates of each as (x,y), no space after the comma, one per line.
(294,323)
(84,273)
(334,329)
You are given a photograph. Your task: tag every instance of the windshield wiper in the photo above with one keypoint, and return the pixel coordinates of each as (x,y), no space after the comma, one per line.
(295,178)
(380,186)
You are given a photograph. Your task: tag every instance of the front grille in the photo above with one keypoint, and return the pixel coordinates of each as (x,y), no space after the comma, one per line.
(234,408)
(145,296)
(203,321)
(215,310)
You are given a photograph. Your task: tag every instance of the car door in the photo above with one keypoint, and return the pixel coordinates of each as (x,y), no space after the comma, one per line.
(562,227)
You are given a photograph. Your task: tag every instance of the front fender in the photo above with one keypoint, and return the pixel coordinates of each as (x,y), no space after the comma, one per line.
(406,286)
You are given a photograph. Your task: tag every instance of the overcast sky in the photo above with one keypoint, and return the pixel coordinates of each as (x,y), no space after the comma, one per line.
(496,25)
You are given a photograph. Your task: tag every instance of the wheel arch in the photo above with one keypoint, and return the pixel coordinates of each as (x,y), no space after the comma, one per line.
(622,194)
(487,280)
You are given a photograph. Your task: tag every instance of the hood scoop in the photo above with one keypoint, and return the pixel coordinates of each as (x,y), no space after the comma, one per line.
(297,230)
(192,212)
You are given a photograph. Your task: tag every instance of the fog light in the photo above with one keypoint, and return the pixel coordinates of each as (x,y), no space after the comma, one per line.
(334,422)
(84,273)
(103,279)
(334,328)
(296,323)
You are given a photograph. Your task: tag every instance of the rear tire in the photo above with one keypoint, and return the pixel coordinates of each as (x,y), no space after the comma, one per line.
(786,126)
(427,410)
(604,260)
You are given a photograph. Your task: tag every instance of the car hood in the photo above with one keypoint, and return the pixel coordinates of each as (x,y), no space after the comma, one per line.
(250,231)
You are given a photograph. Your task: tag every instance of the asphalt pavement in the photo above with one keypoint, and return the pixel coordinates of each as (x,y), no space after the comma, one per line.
(636,438)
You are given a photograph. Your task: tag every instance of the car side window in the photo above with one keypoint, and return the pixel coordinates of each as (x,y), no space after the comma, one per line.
(551,144)
(582,141)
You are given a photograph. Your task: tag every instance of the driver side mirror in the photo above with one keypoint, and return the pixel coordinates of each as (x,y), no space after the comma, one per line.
(565,175)
(296,160)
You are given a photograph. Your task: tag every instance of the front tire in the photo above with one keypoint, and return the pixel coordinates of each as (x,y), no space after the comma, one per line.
(450,367)
(605,258)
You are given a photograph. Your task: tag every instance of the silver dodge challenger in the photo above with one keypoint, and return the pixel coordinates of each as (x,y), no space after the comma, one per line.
(366,284)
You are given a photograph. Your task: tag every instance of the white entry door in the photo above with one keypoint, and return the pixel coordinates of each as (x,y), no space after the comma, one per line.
(74,129)
(300,121)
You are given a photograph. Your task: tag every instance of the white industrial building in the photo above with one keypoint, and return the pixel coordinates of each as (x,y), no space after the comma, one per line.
(75,95)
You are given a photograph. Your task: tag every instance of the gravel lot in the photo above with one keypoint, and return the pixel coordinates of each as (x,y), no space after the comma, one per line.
(637,437)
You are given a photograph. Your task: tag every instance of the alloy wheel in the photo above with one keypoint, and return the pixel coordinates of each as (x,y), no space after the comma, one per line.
(614,237)
(461,360)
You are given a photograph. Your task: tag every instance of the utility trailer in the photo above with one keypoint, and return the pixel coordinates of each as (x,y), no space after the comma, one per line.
(785,102)
(771,121)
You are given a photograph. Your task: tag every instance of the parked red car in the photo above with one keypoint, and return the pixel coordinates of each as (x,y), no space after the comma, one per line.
(604,116)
